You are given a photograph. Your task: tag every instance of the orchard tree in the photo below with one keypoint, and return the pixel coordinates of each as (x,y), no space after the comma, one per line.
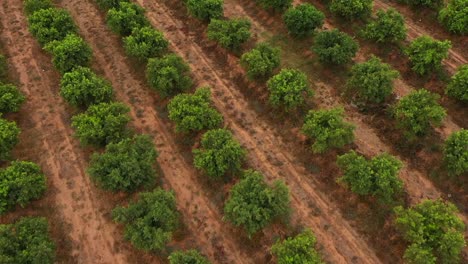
(298,249)
(150,221)
(260,61)
(276,5)
(124,18)
(3,68)
(454,16)
(335,47)
(426,54)
(388,27)
(288,89)
(9,137)
(351,9)
(253,204)
(187,257)
(20,183)
(11,98)
(82,87)
(102,124)
(417,112)
(372,81)
(327,129)
(456,152)
(125,165)
(31,6)
(108,4)
(51,24)
(206,9)
(434,231)
(458,85)
(302,20)
(26,241)
(168,75)
(145,43)
(230,34)
(219,153)
(193,112)
(69,53)
(425,3)
(376,177)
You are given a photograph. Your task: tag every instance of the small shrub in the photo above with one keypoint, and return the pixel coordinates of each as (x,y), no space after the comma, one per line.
(426,54)
(298,249)
(335,47)
(458,85)
(145,43)
(206,9)
(456,153)
(108,4)
(69,53)
(302,20)
(351,9)
(168,75)
(276,5)
(260,61)
(123,19)
(288,89)
(187,257)
(230,34)
(51,24)
(454,17)
(11,98)
(388,27)
(9,137)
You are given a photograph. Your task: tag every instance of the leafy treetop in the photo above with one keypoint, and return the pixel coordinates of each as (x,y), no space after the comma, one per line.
(298,249)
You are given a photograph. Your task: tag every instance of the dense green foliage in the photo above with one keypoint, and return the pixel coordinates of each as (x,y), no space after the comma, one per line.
(193,112)
(377,177)
(20,183)
(3,68)
(302,20)
(187,257)
(425,3)
(298,249)
(372,81)
(426,54)
(327,129)
(51,24)
(31,6)
(69,53)
(351,9)
(434,231)
(253,204)
(206,9)
(9,137)
(276,5)
(150,221)
(456,152)
(145,42)
(126,165)
(417,112)
(458,85)
(11,98)
(230,34)
(123,19)
(288,89)
(102,123)
(454,16)
(108,4)
(388,27)
(168,75)
(335,47)
(82,87)
(260,61)
(26,242)
(219,153)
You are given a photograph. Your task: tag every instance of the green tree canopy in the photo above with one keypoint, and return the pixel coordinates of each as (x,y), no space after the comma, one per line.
(298,249)
(3,68)
(150,221)
(193,112)
(9,137)
(124,18)
(418,111)
(69,53)
(26,241)
(372,81)
(335,47)
(458,85)
(387,27)
(425,3)
(454,16)
(11,98)
(168,75)
(434,231)
(260,61)
(351,9)
(288,89)
(302,20)
(20,183)
(187,257)
(51,24)
(230,34)
(102,123)
(31,6)
(456,152)
(276,5)
(219,153)
(327,129)
(426,54)
(206,9)
(82,87)
(145,42)
(253,204)
(108,4)
(126,165)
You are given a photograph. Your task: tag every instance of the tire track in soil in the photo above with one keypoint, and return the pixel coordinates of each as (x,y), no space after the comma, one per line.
(214,238)
(267,152)
(60,157)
